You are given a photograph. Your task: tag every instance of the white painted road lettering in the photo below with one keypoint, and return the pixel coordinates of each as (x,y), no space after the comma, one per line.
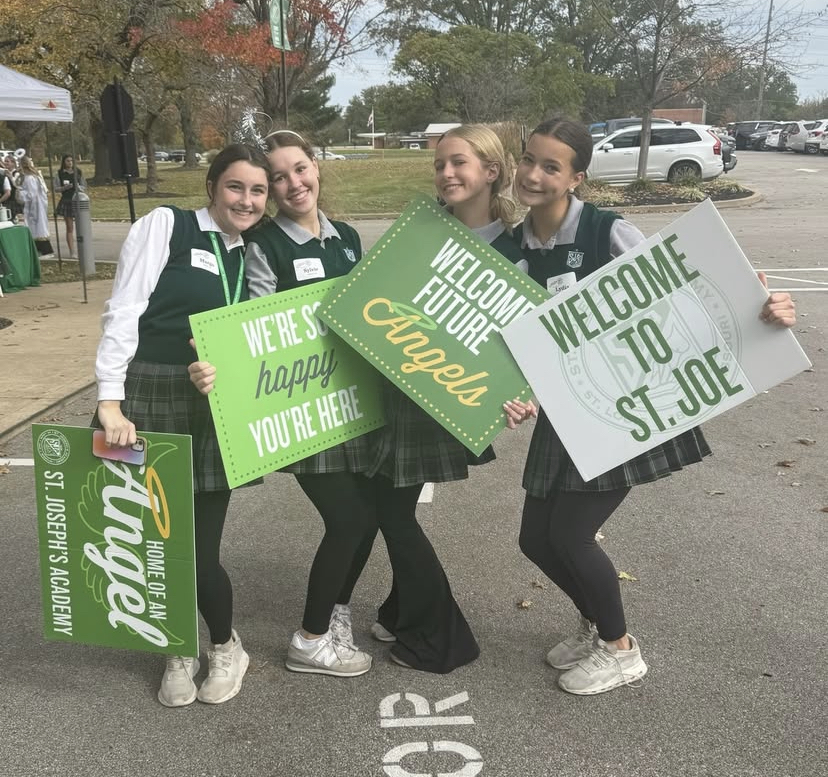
(391,716)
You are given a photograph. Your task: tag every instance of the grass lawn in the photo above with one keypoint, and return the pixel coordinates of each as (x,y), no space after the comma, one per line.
(381,183)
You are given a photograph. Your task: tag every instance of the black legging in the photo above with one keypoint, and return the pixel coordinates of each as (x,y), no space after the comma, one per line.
(432,634)
(344,502)
(215,593)
(558,534)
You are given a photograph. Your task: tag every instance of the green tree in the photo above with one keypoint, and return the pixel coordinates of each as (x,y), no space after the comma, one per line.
(398,108)
(480,75)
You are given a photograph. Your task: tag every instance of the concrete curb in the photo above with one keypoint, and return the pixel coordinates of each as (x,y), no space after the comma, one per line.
(21,425)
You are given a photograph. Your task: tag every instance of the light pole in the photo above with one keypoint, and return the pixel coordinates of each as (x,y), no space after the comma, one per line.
(762,72)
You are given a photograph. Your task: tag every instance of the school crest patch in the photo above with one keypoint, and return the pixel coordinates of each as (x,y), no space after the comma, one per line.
(349,252)
(574,258)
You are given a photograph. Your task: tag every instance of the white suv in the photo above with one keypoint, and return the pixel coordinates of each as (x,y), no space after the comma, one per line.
(680,150)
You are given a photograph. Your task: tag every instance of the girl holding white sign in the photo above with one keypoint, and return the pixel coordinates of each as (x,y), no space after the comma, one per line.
(564,240)
(175,263)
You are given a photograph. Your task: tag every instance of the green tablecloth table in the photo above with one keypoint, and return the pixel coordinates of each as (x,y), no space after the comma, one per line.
(19,261)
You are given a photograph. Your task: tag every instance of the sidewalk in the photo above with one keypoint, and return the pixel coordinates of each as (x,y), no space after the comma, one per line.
(48,353)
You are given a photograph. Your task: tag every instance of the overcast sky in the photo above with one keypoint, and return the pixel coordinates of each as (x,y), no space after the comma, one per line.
(369,69)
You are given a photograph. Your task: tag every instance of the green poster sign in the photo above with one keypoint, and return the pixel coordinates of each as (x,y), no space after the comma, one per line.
(425,307)
(117,553)
(286,387)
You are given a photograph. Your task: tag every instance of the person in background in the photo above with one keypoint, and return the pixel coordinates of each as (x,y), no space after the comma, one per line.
(561,512)
(32,194)
(66,179)
(12,177)
(175,263)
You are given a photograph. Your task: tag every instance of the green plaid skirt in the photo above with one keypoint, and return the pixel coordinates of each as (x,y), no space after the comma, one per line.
(355,455)
(413,448)
(161,398)
(549,467)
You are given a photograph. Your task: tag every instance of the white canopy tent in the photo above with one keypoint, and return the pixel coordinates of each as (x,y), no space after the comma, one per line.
(23,98)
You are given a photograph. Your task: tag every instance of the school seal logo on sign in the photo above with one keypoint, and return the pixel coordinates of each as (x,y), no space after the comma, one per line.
(574,259)
(53,447)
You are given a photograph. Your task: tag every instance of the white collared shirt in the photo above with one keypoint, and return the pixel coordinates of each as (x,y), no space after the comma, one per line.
(144,255)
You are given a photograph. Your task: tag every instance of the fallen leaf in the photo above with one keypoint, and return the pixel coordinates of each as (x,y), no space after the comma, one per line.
(824,509)
(765,444)
(626,576)
(810,369)
(766,674)
(599,536)
(715,493)
(794,484)
(524,604)
(805,441)
(4,470)
(786,463)
(538,584)
(815,409)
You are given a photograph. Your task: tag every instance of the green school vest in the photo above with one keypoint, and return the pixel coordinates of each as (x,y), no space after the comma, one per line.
(183,289)
(299,264)
(589,251)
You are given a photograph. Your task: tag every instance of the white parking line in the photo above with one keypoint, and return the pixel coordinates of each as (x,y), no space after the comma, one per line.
(17,462)
(815,285)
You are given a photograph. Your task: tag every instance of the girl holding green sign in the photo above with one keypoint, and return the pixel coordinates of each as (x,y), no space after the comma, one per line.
(175,263)
(563,241)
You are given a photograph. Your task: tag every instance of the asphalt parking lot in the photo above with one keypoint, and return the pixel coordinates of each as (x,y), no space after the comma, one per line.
(729,602)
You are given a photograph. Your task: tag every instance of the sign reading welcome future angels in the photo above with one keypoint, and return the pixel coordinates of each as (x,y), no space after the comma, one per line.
(662,338)
(425,307)
(117,554)
(286,387)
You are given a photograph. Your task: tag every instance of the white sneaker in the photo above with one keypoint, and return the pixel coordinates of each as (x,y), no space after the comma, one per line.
(569,652)
(326,655)
(378,631)
(605,668)
(228,663)
(340,625)
(177,686)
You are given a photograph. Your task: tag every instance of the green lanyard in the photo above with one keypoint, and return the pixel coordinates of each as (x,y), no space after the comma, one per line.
(223,274)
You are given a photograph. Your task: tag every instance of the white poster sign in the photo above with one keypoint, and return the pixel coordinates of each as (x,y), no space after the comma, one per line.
(662,338)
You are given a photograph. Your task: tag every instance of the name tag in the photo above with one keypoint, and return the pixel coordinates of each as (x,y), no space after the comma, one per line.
(560,283)
(204,260)
(306,269)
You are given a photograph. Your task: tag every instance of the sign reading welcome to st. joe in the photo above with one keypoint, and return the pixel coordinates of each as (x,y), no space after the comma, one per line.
(117,554)
(286,387)
(425,307)
(662,338)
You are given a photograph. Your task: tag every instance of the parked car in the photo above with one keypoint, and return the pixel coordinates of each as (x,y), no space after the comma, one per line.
(814,135)
(796,133)
(675,151)
(823,143)
(772,138)
(598,130)
(744,131)
(613,125)
(320,154)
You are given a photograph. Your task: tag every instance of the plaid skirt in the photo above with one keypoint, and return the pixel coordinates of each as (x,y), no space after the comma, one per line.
(64,207)
(161,398)
(355,455)
(413,448)
(549,467)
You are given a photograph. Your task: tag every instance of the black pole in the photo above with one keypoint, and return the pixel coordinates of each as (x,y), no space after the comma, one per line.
(122,136)
(284,86)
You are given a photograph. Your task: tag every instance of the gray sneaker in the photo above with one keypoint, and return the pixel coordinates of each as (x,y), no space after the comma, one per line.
(379,632)
(177,686)
(341,625)
(569,652)
(327,656)
(605,668)
(228,663)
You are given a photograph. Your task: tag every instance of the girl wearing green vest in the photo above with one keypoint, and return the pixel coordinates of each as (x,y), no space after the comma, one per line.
(472,177)
(173,264)
(564,240)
